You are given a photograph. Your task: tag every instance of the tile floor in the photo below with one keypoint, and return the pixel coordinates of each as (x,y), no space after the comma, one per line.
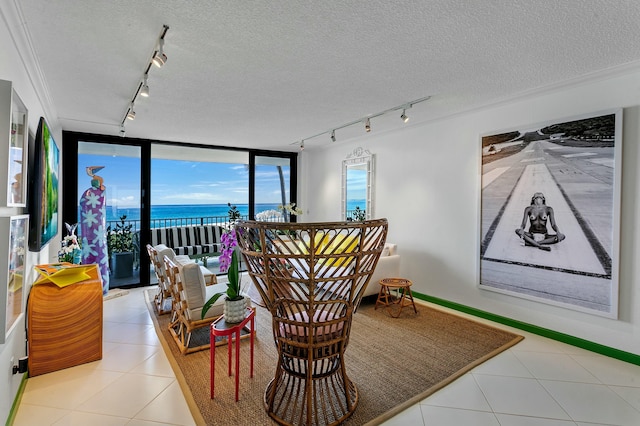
(537,382)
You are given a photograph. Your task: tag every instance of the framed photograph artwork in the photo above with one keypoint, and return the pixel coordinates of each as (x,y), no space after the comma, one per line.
(13,233)
(13,142)
(550,209)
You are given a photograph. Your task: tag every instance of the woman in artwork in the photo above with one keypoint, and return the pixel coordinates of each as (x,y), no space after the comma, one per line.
(538,213)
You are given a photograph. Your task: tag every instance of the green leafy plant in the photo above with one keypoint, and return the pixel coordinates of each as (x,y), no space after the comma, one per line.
(358,215)
(120,239)
(234,213)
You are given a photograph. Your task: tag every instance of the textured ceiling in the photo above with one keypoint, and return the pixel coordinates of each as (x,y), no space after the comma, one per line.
(266,74)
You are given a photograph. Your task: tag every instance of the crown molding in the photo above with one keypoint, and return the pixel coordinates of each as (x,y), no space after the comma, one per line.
(12,15)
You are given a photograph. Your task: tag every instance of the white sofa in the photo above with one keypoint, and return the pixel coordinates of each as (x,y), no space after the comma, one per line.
(388,267)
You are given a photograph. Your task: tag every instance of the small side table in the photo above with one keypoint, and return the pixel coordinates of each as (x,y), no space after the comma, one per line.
(220,328)
(387,300)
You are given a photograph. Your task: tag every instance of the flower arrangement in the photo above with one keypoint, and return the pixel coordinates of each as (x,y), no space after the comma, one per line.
(291,209)
(70,246)
(228,263)
(269,215)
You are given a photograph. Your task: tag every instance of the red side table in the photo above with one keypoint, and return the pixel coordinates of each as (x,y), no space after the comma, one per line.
(221,328)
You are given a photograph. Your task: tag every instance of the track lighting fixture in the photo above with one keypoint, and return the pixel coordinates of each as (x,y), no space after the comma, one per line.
(160,58)
(366,120)
(144,91)
(131,114)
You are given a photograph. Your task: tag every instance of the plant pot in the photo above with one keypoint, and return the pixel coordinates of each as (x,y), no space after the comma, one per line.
(122,265)
(235,310)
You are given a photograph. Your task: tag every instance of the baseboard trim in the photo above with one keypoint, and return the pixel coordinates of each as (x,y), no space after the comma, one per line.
(16,401)
(541,331)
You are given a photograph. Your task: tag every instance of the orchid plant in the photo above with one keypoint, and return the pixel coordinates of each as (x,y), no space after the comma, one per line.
(228,263)
(291,209)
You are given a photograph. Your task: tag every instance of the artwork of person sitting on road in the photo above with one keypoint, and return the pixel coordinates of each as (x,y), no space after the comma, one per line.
(537,235)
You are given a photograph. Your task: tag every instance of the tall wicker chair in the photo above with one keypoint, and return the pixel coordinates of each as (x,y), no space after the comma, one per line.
(311,276)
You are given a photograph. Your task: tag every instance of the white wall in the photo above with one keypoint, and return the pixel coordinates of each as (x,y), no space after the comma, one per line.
(428,186)
(13,68)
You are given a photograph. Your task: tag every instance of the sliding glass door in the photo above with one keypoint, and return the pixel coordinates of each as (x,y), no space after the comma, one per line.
(194,185)
(154,184)
(273,187)
(109,206)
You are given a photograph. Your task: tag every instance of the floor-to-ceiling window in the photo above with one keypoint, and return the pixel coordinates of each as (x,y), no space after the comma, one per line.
(272,188)
(152,184)
(114,171)
(194,185)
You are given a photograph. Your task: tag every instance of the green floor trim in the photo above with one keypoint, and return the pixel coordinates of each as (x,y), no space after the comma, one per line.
(16,401)
(545,332)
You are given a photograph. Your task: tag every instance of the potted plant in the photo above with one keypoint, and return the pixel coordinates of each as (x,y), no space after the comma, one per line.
(359,215)
(120,244)
(235,304)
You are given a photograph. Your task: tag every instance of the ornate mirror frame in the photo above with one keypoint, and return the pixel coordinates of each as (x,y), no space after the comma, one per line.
(359,159)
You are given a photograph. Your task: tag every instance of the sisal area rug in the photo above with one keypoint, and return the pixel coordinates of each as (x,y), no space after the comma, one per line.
(394,363)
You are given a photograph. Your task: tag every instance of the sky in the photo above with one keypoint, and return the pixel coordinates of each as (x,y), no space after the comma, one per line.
(180,182)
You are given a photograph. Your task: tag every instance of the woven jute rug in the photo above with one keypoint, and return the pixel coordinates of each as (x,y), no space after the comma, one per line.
(394,362)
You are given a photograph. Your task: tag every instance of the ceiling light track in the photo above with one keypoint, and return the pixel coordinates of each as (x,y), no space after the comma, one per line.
(158,58)
(366,120)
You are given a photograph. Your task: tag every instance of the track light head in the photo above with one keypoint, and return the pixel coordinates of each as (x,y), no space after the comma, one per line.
(160,58)
(122,130)
(302,145)
(333,136)
(367,125)
(131,114)
(144,90)
(404,116)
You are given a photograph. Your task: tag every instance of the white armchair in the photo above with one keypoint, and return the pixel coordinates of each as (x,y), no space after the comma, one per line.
(189,293)
(388,267)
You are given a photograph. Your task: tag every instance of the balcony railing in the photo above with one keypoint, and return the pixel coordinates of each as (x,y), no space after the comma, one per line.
(186,221)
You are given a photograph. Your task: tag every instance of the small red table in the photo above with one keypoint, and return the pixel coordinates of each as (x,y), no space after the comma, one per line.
(220,328)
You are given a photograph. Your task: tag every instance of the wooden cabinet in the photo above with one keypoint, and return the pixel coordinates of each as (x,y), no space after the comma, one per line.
(64,325)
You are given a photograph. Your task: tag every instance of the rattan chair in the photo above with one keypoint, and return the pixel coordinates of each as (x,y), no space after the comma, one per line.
(189,294)
(311,276)
(163,297)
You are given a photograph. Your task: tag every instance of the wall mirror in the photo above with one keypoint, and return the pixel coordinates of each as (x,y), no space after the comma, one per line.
(357,185)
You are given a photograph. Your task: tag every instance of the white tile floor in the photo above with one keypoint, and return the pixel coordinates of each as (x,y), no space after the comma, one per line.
(537,382)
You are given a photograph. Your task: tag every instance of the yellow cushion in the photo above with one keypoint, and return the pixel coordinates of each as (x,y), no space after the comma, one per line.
(319,242)
(341,245)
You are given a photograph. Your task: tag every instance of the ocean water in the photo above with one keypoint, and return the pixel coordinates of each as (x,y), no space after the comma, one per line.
(194,211)
(176,211)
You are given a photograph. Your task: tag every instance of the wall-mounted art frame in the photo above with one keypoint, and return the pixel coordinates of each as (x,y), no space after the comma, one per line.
(13,260)
(550,210)
(358,176)
(14,131)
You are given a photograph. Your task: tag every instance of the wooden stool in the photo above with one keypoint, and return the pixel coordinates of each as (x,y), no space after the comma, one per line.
(387,300)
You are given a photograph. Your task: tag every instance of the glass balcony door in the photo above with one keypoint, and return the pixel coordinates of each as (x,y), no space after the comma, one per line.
(272,187)
(109,206)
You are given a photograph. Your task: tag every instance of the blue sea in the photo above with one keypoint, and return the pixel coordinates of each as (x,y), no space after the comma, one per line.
(184,211)
(197,210)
